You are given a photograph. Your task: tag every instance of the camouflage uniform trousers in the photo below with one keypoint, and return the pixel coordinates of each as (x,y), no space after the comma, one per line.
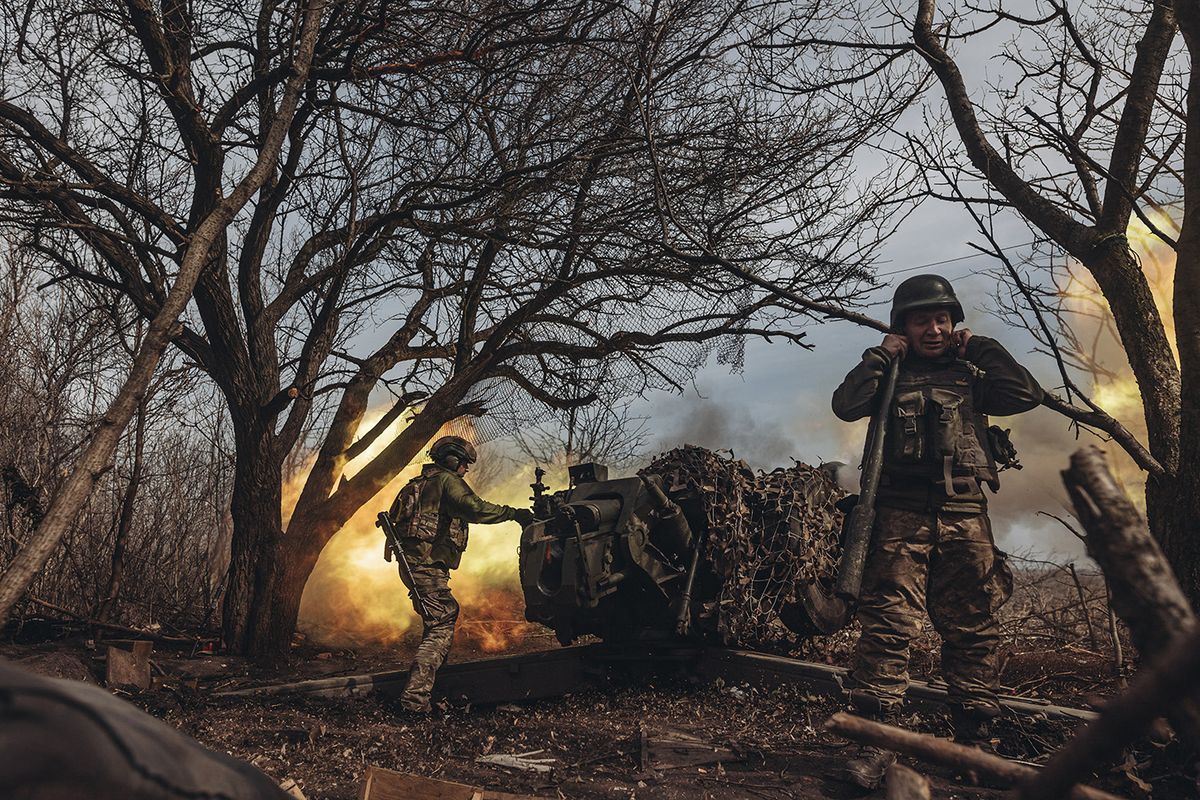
(947,563)
(432,582)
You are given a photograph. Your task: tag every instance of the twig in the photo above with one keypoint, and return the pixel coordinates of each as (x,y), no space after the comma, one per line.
(1114,634)
(1087,615)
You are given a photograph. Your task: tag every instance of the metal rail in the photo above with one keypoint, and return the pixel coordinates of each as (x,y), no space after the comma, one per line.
(553,673)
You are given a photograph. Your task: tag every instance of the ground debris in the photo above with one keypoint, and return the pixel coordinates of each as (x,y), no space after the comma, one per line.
(521,761)
(678,749)
(387,784)
(130,668)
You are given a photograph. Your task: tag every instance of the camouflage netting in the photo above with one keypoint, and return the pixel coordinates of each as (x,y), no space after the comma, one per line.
(769,533)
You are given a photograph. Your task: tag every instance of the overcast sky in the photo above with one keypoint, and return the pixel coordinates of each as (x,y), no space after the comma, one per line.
(779,407)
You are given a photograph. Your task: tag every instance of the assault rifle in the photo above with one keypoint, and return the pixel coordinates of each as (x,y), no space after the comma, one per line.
(392,545)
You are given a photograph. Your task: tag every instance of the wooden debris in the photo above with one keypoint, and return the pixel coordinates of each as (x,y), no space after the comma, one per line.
(386,784)
(903,783)
(1148,597)
(677,749)
(1145,593)
(292,788)
(521,761)
(129,668)
(946,753)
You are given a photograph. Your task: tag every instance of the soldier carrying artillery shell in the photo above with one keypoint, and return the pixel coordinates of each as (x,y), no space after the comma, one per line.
(931,548)
(429,518)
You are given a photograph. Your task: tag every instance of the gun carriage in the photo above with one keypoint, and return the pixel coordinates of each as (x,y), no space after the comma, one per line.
(694,547)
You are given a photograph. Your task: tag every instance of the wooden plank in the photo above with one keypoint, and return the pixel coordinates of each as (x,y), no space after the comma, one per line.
(388,784)
(125,669)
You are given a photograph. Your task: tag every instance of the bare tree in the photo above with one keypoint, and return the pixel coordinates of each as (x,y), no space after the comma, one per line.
(605,430)
(1081,130)
(213,212)
(137,551)
(467,207)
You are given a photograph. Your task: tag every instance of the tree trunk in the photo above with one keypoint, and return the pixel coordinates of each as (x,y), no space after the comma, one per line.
(311,529)
(1119,275)
(116,574)
(256,508)
(102,443)
(1177,533)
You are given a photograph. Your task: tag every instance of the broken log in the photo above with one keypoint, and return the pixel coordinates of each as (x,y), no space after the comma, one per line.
(1145,593)
(903,783)
(946,753)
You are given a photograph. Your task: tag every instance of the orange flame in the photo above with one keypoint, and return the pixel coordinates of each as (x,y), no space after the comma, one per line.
(355,598)
(1119,393)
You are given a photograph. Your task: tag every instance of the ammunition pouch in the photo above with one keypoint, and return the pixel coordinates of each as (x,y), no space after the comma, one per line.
(934,431)
(458,534)
(907,431)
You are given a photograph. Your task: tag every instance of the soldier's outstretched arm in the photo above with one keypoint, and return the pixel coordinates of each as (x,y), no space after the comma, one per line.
(855,398)
(468,506)
(1006,387)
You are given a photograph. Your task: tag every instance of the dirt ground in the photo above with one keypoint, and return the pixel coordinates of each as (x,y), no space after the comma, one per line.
(778,749)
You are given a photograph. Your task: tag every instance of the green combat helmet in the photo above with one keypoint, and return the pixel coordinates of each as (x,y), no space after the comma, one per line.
(450,451)
(924,291)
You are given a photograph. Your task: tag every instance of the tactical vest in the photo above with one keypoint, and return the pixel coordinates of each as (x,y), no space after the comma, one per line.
(934,431)
(426,533)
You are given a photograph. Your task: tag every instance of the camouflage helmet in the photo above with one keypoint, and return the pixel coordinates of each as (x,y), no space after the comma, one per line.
(450,451)
(924,291)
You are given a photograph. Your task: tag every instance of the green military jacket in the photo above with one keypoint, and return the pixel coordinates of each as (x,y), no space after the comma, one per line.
(431,514)
(998,385)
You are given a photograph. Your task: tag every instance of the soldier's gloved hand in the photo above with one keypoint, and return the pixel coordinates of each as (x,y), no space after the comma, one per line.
(523,516)
(896,344)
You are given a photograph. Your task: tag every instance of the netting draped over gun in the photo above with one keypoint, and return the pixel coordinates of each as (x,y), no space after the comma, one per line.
(392,546)
(862,516)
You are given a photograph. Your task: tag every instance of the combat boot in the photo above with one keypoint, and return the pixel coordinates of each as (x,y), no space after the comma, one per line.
(973,726)
(869,766)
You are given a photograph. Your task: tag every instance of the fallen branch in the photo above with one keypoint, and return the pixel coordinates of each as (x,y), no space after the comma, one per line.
(521,761)
(945,753)
(1157,687)
(112,626)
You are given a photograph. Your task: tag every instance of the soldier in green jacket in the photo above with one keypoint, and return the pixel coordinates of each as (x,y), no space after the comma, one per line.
(430,515)
(932,548)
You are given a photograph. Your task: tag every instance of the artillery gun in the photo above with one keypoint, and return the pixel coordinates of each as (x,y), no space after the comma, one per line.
(695,547)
